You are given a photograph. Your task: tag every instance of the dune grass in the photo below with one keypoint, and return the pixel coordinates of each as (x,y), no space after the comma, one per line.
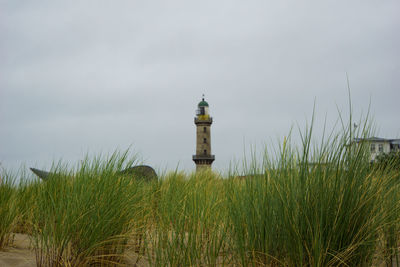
(86,217)
(190,228)
(319,204)
(8,208)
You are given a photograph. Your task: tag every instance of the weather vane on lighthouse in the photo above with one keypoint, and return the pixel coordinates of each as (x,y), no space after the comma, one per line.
(203,158)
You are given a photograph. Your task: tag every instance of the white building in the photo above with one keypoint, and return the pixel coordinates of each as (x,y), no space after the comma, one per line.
(379,146)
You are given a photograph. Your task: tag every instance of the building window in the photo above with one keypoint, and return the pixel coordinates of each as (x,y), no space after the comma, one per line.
(394,147)
(205,151)
(372,148)
(205,140)
(380,148)
(205,129)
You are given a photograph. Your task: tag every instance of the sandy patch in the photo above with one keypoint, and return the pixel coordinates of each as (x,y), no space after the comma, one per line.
(19,254)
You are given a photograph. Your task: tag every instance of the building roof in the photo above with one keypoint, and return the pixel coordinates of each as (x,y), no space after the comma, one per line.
(377,139)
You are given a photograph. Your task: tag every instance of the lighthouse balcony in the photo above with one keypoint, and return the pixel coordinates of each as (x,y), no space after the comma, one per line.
(201,119)
(203,157)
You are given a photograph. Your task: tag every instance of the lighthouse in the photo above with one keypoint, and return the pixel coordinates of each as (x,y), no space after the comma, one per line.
(203,158)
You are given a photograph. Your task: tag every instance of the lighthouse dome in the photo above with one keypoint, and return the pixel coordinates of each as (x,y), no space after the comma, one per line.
(203,103)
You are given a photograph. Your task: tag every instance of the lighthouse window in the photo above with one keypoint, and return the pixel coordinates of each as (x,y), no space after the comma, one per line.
(205,140)
(205,151)
(205,129)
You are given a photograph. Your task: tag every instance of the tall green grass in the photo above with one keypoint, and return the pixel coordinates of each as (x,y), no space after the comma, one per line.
(86,217)
(317,204)
(27,192)
(8,208)
(391,231)
(190,228)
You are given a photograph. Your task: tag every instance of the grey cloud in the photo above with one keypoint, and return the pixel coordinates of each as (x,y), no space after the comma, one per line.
(98,75)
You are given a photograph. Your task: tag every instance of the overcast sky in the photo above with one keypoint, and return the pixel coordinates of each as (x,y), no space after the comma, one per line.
(81,77)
